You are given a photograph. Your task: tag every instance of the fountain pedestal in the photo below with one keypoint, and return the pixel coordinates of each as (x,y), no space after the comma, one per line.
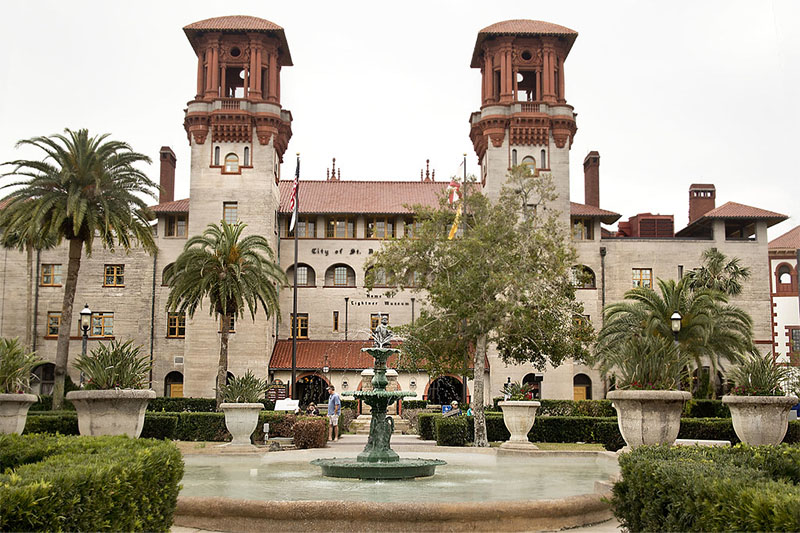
(378,460)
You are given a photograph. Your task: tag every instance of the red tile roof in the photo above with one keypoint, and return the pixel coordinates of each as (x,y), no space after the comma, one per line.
(521,27)
(583,210)
(734,210)
(788,241)
(178,206)
(351,197)
(238,23)
(341,355)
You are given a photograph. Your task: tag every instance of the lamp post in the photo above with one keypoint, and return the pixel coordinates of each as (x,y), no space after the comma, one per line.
(86,321)
(676,324)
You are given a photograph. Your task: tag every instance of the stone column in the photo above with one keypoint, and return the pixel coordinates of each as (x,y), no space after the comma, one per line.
(561,94)
(273,77)
(487,78)
(200,69)
(224,82)
(215,70)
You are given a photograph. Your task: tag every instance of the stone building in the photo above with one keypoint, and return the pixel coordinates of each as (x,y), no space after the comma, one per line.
(785,297)
(239,134)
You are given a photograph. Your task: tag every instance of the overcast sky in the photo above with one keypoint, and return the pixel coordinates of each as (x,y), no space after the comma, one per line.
(669,93)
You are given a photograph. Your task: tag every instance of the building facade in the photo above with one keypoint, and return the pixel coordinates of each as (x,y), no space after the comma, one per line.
(239,134)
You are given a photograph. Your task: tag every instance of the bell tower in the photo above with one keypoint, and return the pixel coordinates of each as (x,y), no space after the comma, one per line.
(238,133)
(524,116)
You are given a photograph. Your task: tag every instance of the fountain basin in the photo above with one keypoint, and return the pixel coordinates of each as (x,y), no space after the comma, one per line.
(404,468)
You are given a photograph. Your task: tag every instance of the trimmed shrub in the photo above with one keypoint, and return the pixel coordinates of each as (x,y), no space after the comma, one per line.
(741,488)
(426,428)
(706,409)
(181,405)
(160,426)
(63,422)
(347,404)
(415,404)
(202,427)
(45,403)
(311,432)
(58,483)
(451,431)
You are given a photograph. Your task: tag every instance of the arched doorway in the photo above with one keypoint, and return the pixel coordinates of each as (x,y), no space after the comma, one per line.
(444,390)
(45,379)
(581,387)
(312,388)
(173,385)
(536,384)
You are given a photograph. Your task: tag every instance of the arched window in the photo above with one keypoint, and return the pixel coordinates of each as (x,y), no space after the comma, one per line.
(306,277)
(583,277)
(514,158)
(216,155)
(444,390)
(231,163)
(785,279)
(340,276)
(543,159)
(581,387)
(247,156)
(312,388)
(164,274)
(529,162)
(785,275)
(173,385)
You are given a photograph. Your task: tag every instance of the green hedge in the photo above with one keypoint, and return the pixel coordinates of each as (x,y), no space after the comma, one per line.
(425,425)
(451,431)
(59,483)
(709,489)
(415,404)
(706,409)
(346,404)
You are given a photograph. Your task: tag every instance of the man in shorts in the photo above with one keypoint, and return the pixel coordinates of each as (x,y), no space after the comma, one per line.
(334,408)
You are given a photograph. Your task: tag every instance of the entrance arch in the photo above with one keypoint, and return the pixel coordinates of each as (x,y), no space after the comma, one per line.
(312,388)
(581,387)
(173,385)
(536,384)
(445,389)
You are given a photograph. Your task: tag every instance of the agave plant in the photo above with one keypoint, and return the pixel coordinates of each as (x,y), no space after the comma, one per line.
(518,392)
(646,363)
(244,389)
(115,366)
(16,367)
(758,375)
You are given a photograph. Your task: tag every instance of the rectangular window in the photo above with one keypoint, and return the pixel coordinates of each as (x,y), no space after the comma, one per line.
(336,321)
(301,325)
(340,276)
(412,228)
(643,277)
(51,275)
(114,276)
(53,322)
(380,228)
(176,325)
(175,226)
(230,212)
(582,229)
(102,324)
(375,319)
(794,340)
(339,228)
(302,276)
(306,227)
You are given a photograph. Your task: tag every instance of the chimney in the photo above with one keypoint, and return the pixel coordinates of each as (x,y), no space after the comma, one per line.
(591,179)
(702,199)
(168,159)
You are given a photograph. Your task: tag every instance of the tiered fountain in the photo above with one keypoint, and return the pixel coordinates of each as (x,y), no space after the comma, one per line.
(378,460)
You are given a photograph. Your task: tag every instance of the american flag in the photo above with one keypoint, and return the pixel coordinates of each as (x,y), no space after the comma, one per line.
(293,202)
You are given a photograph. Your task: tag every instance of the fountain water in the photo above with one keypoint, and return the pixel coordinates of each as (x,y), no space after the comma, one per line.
(378,460)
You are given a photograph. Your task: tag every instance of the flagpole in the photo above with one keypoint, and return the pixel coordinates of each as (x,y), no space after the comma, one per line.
(294,282)
(464,200)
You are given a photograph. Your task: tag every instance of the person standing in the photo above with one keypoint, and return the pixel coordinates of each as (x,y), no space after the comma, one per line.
(334,409)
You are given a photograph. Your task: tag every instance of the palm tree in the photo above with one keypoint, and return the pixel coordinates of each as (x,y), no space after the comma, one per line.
(718,273)
(233,272)
(85,187)
(711,329)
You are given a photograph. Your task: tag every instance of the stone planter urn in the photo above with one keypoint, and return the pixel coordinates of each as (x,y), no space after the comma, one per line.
(648,416)
(518,417)
(111,412)
(14,411)
(241,420)
(760,420)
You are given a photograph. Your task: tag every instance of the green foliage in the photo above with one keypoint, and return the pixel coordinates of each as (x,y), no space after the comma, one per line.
(426,427)
(114,366)
(87,483)
(62,422)
(646,363)
(709,489)
(311,432)
(517,392)
(202,427)
(575,408)
(353,404)
(415,404)
(705,409)
(718,274)
(711,329)
(281,424)
(244,389)
(758,375)
(178,405)
(160,426)
(451,431)
(16,367)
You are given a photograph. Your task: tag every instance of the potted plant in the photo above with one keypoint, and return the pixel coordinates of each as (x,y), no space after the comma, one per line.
(759,407)
(114,399)
(519,413)
(241,404)
(16,371)
(647,371)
